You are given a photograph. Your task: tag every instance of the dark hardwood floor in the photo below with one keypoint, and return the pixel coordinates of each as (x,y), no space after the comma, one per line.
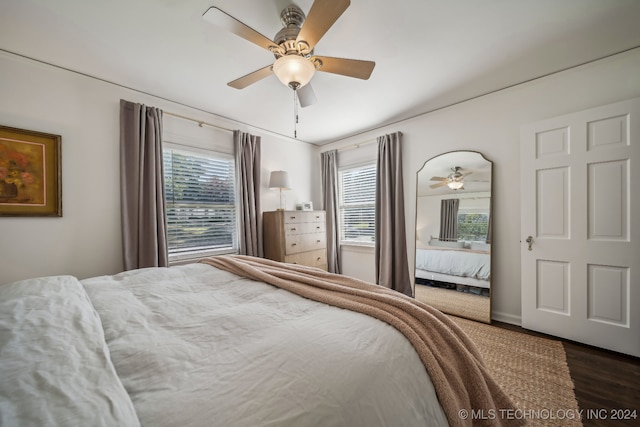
(607,384)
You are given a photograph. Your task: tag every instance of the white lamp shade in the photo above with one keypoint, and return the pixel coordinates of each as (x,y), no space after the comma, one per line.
(293,68)
(279,180)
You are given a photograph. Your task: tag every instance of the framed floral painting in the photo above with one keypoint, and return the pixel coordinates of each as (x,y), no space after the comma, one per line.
(30,182)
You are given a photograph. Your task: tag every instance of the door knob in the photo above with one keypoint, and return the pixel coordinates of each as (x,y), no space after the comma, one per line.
(529,241)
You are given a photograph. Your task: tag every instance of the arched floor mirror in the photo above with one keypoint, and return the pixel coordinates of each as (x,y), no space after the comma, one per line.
(453,234)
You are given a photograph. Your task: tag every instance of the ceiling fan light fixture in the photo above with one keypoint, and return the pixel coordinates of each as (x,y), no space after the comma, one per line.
(455,185)
(293,70)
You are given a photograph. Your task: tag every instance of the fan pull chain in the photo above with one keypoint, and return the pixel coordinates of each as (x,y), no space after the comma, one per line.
(295,115)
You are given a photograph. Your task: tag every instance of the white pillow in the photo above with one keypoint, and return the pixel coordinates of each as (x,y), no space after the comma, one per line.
(55,364)
(457,245)
(480,246)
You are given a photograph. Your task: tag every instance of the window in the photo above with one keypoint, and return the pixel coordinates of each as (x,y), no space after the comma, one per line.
(201,209)
(357,189)
(473,226)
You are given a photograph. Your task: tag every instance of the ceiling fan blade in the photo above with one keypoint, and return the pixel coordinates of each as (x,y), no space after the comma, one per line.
(223,20)
(440,184)
(346,67)
(251,78)
(321,16)
(306,95)
(438,178)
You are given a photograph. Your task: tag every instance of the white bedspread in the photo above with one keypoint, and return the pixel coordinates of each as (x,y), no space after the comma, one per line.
(196,346)
(455,262)
(55,368)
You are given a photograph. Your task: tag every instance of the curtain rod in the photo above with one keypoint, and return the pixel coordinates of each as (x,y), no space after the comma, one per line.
(359,144)
(199,122)
(461,198)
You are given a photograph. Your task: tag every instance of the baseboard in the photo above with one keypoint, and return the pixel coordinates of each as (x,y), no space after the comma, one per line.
(506,318)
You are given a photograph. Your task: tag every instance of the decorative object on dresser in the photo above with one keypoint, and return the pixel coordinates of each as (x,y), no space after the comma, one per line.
(279,180)
(296,237)
(304,206)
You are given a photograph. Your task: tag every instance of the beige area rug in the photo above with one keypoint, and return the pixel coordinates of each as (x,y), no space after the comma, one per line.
(532,370)
(460,304)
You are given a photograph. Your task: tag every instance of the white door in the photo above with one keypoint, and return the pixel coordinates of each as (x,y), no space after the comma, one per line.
(580,203)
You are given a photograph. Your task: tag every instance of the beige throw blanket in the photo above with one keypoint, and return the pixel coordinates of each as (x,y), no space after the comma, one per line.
(466,391)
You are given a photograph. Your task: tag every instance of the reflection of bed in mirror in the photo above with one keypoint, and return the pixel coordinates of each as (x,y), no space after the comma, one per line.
(469,265)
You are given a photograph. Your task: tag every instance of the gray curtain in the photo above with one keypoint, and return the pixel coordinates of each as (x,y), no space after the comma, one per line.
(330,203)
(392,265)
(247,149)
(449,220)
(144,220)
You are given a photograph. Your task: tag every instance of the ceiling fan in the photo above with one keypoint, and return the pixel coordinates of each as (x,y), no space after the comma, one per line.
(292,46)
(455,180)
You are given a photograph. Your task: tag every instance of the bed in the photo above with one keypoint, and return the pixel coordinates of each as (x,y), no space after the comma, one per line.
(234,341)
(461,265)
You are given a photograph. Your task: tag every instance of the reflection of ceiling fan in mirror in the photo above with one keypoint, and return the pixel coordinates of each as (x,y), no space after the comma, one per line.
(455,180)
(293,45)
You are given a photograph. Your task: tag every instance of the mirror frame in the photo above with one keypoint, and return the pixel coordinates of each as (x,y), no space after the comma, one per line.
(491,237)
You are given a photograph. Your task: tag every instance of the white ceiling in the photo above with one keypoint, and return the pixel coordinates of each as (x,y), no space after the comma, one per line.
(428,53)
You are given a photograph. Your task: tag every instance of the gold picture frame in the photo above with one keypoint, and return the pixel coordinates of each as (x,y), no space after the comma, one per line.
(30,176)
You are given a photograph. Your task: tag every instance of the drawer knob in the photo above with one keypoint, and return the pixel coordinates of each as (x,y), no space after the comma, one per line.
(318,259)
(293,217)
(293,244)
(317,241)
(293,229)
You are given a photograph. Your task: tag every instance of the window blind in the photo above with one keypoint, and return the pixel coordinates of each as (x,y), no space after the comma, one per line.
(201,205)
(357,188)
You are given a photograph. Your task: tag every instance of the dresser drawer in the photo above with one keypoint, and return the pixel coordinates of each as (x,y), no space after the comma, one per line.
(297,243)
(293,228)
(297,217)
(317,258)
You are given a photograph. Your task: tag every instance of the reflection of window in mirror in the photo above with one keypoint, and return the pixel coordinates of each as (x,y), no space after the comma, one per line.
(473,219)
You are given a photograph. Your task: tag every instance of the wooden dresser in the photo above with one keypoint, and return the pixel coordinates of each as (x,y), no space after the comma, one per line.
(296,237)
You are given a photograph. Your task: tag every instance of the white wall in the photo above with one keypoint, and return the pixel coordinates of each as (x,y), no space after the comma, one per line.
(491,125)
(86,241)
